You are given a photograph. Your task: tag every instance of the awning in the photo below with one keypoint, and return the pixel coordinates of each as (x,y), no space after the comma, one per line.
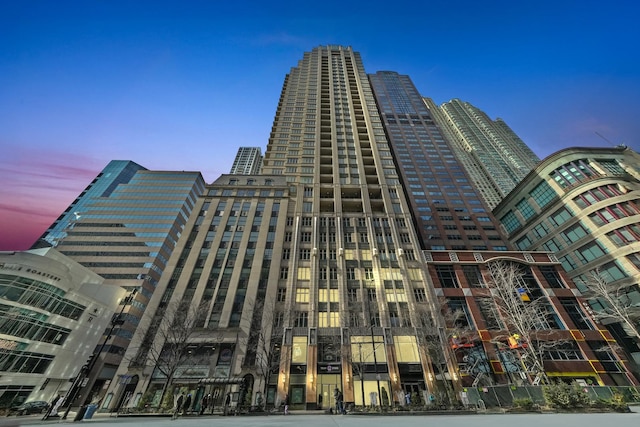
(233,380)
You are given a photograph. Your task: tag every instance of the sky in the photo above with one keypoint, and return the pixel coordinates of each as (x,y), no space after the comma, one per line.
(180,85)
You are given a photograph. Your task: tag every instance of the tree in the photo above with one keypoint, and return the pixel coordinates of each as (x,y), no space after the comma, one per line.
(441,341)
(176,334)
(527,314)
(265,341)
(613,301)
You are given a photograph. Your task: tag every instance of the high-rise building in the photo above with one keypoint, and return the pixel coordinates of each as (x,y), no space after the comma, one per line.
(321,248)
(493,155)
(310,277)
(448,211)
(248,161)
(582,205)
(115,173)
(124,227)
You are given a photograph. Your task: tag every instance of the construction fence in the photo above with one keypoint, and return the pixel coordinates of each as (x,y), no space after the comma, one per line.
(503,396)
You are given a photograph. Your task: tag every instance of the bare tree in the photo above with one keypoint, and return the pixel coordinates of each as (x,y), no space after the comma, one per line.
(441,342)
(176,339)
(526,312)
(264,342)
(613,301)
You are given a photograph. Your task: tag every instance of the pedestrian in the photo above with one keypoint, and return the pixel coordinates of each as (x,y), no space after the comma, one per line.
(286,404)
(320,400)
(384,396)
(336,395)
(227,402)
(187,404)
(341,408)
(407,398)
(52,410)
(204,403)
(178,406)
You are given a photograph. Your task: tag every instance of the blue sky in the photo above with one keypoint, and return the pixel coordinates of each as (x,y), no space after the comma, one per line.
(181,85)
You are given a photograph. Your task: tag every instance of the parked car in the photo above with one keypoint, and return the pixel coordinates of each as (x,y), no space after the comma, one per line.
(27,408)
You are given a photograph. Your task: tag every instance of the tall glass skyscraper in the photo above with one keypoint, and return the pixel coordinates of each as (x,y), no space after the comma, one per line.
(124,227)
(448,211)
(493,155)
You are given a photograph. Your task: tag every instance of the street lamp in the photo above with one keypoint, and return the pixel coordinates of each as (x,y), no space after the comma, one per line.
(78,382)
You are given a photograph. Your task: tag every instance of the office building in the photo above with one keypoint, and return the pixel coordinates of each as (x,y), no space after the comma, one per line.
(124,227)
(248,161)
(582,205)
(52,316)
(495,158)
(448,211)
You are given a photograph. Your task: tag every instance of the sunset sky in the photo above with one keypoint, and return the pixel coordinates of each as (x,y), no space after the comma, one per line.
(181,85)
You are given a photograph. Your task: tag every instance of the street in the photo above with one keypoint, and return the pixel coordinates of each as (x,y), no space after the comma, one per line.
(480,420)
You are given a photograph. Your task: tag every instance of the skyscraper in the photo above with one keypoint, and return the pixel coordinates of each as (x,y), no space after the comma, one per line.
(493,155)
(309,277)
(448,211)
(124,227)
(248,161)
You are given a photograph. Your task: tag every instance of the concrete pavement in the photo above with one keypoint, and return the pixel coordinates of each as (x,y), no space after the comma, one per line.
(480,420)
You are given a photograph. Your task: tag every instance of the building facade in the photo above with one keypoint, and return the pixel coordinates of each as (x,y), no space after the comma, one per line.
(310,277)
(52,316)
(495,158)
(124,227)
(581,204)
(248,161)
(447,209)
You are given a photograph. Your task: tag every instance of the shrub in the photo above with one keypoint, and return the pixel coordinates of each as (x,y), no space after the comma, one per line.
(524,403)
(565,396)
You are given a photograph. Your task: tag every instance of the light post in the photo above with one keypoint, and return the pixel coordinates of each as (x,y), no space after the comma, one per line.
(78,382)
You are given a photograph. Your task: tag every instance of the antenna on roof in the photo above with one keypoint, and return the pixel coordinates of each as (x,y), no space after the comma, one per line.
(621,145)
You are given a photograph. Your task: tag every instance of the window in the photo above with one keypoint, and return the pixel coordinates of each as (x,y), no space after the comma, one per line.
(301,319)
(543,194)
(567,350)
(302,295)
(575,312)
(525,209)
(282,294)
(552,277)
(447,276)
(460,310)
(560,216)
(284,273)
(473,276)
(574,233)
(510,222)
(589,252)
(490,313)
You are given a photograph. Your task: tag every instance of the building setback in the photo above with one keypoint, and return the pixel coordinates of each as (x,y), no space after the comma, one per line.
(311,277)
(583,205)
(124,227)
